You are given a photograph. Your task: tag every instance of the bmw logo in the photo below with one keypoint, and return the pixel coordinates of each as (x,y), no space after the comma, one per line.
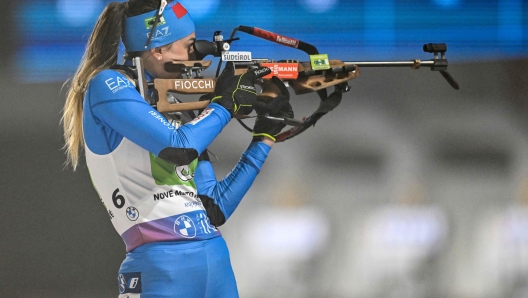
(132,213)
(185,227)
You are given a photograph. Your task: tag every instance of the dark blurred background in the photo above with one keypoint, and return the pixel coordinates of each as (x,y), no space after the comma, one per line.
(409,189)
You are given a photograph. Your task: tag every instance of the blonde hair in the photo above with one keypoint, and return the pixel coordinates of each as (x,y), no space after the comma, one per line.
(101,52)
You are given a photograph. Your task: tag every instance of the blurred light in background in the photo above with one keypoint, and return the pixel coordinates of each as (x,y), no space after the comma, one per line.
(318,6)
(447,3)
(200,9)
(53,33)
(68,10)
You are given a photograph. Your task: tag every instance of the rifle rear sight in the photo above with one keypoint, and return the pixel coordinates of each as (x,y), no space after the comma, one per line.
(215,48)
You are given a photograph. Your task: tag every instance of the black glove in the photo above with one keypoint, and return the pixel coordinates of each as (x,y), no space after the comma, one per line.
(237,93)
(279,107)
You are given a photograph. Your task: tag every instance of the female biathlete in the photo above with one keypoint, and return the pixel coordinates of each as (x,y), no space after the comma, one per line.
(155,178)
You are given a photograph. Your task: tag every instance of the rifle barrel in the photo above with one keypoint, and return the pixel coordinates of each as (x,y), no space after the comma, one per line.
(412,63)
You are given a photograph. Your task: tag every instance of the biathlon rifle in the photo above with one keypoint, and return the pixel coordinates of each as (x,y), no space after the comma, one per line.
(315,75)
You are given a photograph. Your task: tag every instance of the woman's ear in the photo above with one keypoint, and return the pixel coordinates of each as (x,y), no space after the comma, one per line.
(156,53)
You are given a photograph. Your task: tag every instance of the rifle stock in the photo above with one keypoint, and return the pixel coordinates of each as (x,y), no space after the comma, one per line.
(307,80)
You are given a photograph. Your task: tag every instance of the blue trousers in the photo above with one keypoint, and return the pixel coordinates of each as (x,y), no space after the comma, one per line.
(195,269)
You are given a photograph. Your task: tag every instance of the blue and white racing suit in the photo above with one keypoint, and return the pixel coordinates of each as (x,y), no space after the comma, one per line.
(163,201)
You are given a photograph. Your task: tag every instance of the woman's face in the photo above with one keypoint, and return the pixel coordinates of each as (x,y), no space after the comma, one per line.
(180,50)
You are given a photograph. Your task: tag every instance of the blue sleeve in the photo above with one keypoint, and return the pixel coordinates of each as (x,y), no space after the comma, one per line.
(113,106)
(222,197)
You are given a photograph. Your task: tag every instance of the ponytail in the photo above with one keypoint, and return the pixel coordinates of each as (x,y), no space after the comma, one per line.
(101,53)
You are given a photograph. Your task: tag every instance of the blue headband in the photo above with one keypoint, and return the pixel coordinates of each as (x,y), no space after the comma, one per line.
(175,23)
